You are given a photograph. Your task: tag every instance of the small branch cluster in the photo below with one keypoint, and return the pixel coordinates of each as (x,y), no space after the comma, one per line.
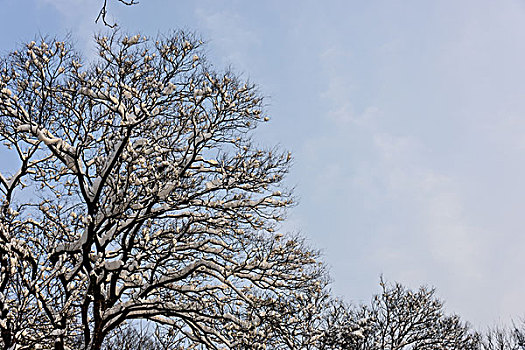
(104,10)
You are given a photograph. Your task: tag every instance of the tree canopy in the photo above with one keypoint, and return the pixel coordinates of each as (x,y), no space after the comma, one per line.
(140,195)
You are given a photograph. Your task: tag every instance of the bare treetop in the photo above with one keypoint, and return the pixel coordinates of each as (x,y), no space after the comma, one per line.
(139,195)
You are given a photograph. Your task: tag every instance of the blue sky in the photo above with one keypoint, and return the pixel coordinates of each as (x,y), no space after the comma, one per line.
(406,120)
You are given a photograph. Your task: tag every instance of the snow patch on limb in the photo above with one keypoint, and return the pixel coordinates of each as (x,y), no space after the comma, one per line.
(182,273)
(109,234)
(210,185)
(113,265)
(90,93)
(42,134)
(58,332)
(6,91)
(8,183)
(60,146)
(116,106)
(94,189)
(166,190)
(74,246)
(169,89)
(3,180)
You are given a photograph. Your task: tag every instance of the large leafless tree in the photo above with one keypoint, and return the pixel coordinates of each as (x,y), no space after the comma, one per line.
(399,319)
(132,190)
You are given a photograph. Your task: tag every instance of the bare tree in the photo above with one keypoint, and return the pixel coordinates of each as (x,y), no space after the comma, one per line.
(506,338)
(400,319)
(104,11)
(138,194)
(142,337)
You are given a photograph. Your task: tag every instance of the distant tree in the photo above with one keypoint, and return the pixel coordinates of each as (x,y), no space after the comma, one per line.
(141,337)
(104,11)
(400,319)
(138,194)
(511,338)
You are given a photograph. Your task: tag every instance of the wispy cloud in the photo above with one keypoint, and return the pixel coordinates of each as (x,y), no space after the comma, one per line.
(229,35)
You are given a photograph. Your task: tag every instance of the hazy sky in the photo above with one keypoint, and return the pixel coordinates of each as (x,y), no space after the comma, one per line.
(406,120)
